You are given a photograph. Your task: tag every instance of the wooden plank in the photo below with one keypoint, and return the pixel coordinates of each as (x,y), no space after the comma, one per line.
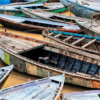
(79,40)
(67,39)
(89,43)
(18,45)
(58,35)
(51,34)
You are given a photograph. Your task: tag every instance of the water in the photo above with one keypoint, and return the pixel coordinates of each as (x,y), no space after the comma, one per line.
(18,78)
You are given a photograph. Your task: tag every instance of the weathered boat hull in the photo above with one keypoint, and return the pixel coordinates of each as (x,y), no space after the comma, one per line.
(88,31)
(30,67)
(79,10)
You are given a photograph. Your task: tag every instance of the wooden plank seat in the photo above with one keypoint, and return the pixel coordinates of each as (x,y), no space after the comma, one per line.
(85,67)
(62,61)
(93,69)
(69,64)
(77,66)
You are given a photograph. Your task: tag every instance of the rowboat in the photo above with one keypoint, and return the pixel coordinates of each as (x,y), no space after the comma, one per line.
(40,14)
(16,11)
(42,89)
(79,41)
(85,95)
(37,57)
(21,23)
(4,73)
(91,28)
(83,8)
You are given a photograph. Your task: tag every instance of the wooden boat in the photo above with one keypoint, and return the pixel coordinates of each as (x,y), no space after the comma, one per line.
(32,24)
(4,73)
(38,14)
(85,95)
(83,8)
(16,11)
(82,42)
(37,57)
(90,28)
(42,89)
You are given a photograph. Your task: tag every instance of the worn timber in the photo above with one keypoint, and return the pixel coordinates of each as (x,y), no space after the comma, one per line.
(80,67)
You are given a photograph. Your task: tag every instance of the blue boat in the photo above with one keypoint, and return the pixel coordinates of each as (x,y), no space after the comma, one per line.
(83,8)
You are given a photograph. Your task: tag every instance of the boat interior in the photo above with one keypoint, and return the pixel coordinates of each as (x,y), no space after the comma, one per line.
(62,19)
(79,40)
(41,24)
(61,62)
(34,7)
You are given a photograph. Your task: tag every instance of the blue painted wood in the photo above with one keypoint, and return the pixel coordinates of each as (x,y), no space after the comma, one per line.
(80,10)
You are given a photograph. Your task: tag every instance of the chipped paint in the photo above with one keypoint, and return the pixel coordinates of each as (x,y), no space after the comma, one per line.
(95,84)
(31,69)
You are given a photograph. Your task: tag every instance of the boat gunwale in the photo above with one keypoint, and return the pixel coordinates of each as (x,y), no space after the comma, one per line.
(46,66)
